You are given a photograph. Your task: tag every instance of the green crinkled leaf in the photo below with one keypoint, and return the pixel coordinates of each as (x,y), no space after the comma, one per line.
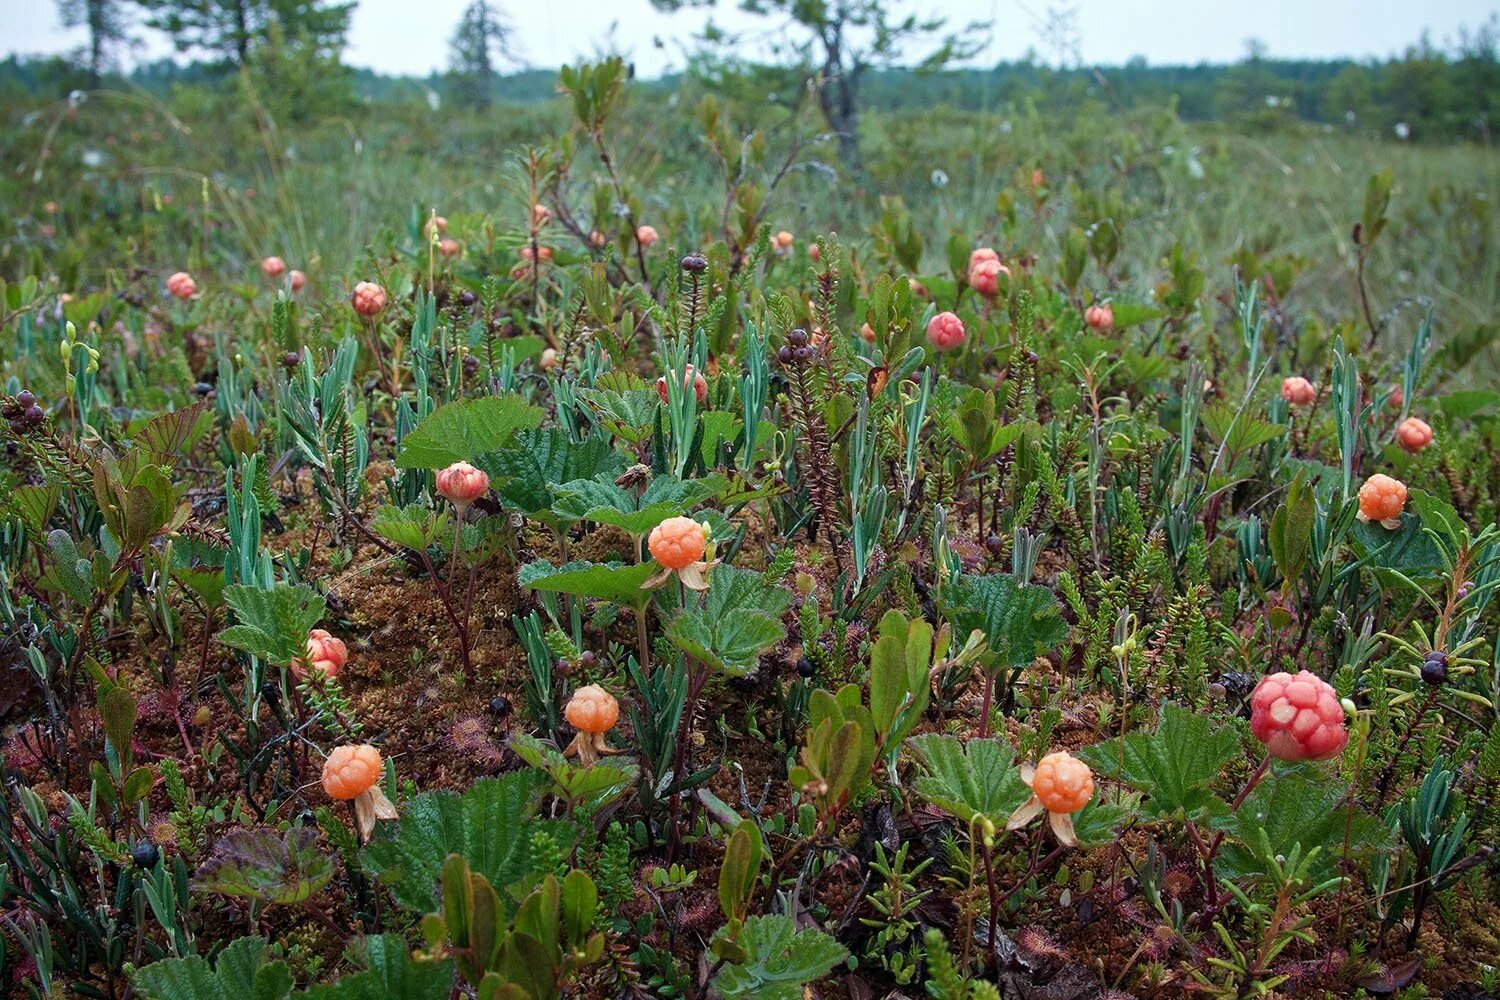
(1438,516)
(413,526)
(979,779)
(781,960)
(593,786)
(267,866)
(739,620)
(733,590)
(627,414)
(273,624)
(392,974)
(1095,825)
(1299,806)
(1174,765)
(1019,620)
(464,429)
(242,973)
(1407,550)
(528,473)
(729,644)
(601,501)
(618,583)
(1244,431)
(491,825)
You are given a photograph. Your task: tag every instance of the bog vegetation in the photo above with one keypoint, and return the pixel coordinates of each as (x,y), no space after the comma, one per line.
(616,546)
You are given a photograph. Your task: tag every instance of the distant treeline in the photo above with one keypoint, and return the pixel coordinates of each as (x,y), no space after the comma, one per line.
(1426,94)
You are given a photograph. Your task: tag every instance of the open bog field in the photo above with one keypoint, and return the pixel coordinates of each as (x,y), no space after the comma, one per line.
(615,546)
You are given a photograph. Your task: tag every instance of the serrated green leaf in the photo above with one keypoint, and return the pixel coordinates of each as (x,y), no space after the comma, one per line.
(242,973)
(979,779)
(729,644)
(464,429)
(491,825)
(273,624)
(1174,765)
(1020,621)
(413,526)
(392,974)
(1407,549)
(528,473)
(781,960)
(1297,806)
(600,500)
(618,583)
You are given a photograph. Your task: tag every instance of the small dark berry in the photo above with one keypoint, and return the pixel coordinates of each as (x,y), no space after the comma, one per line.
(994,543)
(291,359)
(784,354)
(34,415)
(145,855)
(587,658)
(1033,357)
(797,337)
(805,667)
(467,298)
(695,263)
(202,389)
(802,353)
(500,705)
(24,398)
(1465,590)
(1434,672)
(471,364)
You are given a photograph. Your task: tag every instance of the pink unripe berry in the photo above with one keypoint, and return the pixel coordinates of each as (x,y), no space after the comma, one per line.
(326,655)
(462,483)
(1298,391)
(273,267)
(984,277)
(1414,434)
(181,285)
(646,235)
(368,298)
(981,254)
(945,331)
(1298,717)
(1099,317)
(449,247)
(689,377)
(298,279)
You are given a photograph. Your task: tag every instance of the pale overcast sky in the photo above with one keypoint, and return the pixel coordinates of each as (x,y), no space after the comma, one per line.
(410,36)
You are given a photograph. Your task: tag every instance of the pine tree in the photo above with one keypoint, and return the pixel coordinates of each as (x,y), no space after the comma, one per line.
(108,28)
(835,43)
(231,29)
(482,39)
